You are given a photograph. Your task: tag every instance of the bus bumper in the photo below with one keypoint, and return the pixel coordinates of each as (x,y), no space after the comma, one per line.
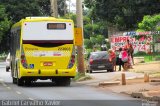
(48,73)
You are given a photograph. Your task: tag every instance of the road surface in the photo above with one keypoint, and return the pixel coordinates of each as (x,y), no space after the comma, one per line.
(78,94)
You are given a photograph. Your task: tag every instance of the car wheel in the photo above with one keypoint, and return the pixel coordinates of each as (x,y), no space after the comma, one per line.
(110,70)
(90,71)
(7,69)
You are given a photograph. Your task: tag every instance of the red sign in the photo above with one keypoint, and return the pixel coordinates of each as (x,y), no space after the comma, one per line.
(139,45)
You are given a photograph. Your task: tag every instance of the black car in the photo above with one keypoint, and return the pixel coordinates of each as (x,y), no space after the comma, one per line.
(99,61)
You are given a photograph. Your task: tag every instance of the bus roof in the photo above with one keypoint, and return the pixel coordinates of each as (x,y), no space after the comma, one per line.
(37,19)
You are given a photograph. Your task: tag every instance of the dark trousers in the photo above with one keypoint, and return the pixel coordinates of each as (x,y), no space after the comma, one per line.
(121,63)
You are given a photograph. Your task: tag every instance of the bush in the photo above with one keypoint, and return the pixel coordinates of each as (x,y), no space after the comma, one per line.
(141,54)
(88,53)
(3,56)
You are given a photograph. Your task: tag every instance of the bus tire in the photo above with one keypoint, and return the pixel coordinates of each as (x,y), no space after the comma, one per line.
(63,82)
(67,82)
(14,80)
(27,82)
(20,82)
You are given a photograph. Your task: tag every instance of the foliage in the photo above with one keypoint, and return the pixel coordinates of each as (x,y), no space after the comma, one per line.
(124,14)
(149,23)
(4,22)
(97,40)
(44,7)
(141,53)
(62,7)
(91,29)
(82,77)
(13,10)
(88,44)
(18,10)
(4,28)
(70,16)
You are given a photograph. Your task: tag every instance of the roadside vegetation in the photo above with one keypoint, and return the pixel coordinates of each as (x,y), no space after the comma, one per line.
(148,57)
(3,56)
(98,23)
(82,77)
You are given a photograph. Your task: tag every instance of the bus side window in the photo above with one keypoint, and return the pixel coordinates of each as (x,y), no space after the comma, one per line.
(18,39)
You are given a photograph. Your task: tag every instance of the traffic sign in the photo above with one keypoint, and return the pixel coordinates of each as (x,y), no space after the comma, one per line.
(78,36)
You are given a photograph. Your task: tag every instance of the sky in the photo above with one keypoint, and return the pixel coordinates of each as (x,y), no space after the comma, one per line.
(72,5)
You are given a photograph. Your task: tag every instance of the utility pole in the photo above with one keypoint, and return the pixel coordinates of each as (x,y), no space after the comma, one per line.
(54,8)
(80,25)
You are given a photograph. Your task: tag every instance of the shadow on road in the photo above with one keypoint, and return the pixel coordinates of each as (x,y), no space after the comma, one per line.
(94,72)
(45,84)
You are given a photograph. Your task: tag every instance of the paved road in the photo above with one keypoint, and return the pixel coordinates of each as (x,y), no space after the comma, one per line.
(79,94)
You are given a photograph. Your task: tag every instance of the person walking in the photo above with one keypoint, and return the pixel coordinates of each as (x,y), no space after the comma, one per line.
(130,51)
(125,59)
(120,62)
(112,59)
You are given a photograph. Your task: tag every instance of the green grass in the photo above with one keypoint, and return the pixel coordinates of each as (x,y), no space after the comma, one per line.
(81,77)
(157,75)
(148,58)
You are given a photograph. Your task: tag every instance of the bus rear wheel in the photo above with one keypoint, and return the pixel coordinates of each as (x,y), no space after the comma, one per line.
(14,80)
(20,82)
(63,82)
(28,82)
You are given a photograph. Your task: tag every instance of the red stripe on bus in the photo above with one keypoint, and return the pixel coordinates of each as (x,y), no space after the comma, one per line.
(48,41)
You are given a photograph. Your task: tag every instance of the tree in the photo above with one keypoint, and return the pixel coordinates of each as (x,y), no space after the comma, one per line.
(4,27)
(26,8)
(149,23)
(62,7)
(123,14)
(88,44)
(13,10)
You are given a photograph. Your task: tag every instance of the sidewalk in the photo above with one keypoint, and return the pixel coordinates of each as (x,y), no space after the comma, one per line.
(113,76)
(135,85)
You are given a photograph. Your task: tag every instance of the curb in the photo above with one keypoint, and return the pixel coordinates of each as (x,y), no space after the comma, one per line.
(144,95)
(109,83)
(137,95)
(155,80)
(153,62)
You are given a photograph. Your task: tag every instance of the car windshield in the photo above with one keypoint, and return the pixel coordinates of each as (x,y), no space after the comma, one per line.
(99,55)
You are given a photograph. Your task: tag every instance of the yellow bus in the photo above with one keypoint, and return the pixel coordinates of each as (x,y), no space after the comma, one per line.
(43,48)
